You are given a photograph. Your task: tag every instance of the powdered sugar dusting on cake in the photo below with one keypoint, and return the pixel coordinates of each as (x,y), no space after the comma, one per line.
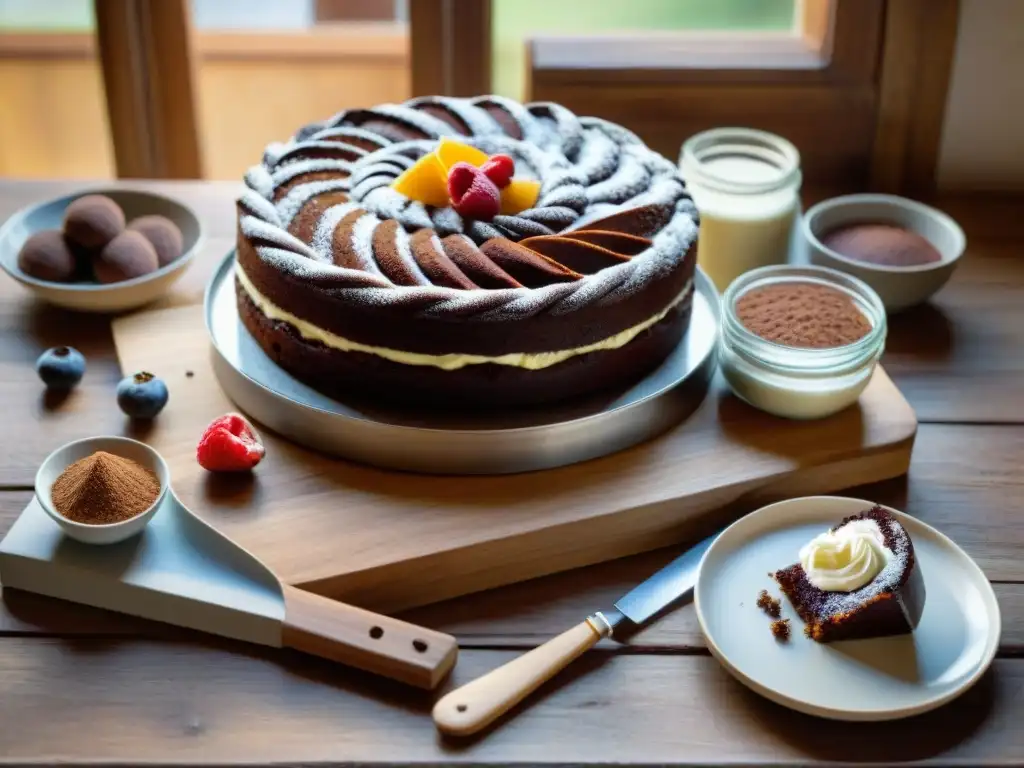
(362,242)
(599,158)
(477,120)
(588,168)
(312,165)
(629,180)
(323,236)
(256,229)
(446,221)
(350,132)
(292,203)
(887,580)
(433,127)
(258,179)
(408,260)
(295,152)
(260,207)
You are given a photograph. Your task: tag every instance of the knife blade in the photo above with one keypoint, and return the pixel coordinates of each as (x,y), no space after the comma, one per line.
(477,704)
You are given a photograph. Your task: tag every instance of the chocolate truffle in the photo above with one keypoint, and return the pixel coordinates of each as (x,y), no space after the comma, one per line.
(46,256)
(93,221)
(127,256)
(162,233)
(882,244)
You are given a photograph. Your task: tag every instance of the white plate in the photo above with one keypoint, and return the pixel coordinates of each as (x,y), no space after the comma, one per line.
(877,679)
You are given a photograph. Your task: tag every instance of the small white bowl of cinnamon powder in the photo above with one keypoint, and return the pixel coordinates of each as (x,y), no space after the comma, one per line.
(102,490)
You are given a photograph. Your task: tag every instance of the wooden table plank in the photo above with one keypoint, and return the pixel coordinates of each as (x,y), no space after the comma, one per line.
(175,703)
(984,513)
(959,357)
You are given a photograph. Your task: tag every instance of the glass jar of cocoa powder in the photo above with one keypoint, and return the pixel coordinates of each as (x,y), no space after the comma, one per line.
(800,342)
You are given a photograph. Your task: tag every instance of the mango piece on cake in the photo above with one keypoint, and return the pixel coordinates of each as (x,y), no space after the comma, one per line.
(519,195)
(449,152)
(424,181)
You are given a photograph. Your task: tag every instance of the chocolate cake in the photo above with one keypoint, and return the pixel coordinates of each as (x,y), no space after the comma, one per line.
(352,286)
(891,603)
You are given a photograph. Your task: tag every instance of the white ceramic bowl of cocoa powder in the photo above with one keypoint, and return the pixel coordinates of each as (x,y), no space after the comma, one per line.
(102,532)
(899,287)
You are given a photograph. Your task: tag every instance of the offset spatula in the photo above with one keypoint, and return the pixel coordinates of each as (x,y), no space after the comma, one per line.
(476,705)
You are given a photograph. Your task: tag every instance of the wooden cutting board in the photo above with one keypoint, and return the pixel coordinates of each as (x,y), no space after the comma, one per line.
(388,540)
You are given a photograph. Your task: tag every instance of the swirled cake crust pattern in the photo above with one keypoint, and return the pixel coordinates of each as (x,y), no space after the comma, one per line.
(348,284)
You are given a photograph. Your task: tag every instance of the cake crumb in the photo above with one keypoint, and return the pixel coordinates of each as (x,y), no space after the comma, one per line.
(780,630)
(769,604)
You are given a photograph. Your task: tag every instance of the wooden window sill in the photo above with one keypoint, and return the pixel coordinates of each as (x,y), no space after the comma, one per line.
(680,51)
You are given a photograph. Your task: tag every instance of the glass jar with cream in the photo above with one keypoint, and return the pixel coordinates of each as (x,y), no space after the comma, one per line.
(800,342)
(746,185)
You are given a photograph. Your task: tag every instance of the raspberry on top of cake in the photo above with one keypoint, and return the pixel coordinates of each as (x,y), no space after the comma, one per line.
(857,580)
(465,250)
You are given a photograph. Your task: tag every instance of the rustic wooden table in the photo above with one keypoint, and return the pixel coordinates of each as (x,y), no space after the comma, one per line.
(82,686)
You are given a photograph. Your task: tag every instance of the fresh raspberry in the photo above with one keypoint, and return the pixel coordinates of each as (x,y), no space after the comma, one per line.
(473,195)
(229,444)
(499,169)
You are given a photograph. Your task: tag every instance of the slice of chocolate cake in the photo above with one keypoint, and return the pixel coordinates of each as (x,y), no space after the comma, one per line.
(858,580)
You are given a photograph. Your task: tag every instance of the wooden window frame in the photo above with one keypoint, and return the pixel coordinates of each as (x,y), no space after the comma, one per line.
(863,97)
(815,86)
(809,53)
(145,50)
(860,90)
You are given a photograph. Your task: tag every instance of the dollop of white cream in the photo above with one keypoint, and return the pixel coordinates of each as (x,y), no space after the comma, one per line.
(846,559)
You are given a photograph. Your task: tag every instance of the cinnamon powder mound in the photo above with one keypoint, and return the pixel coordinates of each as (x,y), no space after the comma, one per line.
(103,488)
(801,314)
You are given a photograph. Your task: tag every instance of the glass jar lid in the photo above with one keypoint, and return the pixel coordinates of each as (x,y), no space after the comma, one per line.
(741,161)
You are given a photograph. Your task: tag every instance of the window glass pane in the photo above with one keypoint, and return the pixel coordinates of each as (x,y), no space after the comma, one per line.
(266,67)
(52,15)
(292,15)
(514,21)
(54,121)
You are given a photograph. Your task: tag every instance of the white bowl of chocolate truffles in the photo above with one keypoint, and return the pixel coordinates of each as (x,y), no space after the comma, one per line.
(105,251)
(905,250)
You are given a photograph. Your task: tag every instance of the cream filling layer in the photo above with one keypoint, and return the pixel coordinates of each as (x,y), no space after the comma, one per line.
(453,361)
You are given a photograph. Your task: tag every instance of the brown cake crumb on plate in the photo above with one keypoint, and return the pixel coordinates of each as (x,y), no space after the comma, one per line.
(780,629)
(769,604)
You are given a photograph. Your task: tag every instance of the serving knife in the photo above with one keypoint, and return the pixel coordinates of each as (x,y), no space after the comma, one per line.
(476,705)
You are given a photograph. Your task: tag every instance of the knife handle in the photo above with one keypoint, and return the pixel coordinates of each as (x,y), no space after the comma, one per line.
(380,644)
(476,705)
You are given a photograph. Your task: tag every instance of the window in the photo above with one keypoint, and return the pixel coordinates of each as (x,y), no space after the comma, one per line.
(805,69)
(611,33)
(199,87)
(53,123)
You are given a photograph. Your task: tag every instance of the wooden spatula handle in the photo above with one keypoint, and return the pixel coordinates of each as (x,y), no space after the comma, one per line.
(476,705)
(367,640)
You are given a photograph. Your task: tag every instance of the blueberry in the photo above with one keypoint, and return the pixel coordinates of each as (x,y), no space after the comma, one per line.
(142,396)
(61,367)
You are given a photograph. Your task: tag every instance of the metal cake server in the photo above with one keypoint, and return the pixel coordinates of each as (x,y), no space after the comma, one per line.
(476,705)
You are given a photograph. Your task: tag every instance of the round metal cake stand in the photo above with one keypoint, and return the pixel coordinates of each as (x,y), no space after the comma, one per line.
(462,444)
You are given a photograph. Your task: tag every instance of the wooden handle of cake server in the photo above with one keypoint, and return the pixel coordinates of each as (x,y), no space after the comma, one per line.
(379,644)
(476,705)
